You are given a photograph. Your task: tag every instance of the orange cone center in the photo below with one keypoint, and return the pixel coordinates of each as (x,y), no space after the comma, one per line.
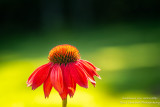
(64,54)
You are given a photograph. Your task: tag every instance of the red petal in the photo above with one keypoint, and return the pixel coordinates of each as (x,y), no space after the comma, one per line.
(90,70)
(57,78)
(47,87)
(90,64)
(78,75)
(90,77)
(72,89)
(69,82)
(30,79)
(39,75)
(64,93)
(95,68)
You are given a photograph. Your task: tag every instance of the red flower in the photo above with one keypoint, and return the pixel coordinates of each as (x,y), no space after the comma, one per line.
(64,70)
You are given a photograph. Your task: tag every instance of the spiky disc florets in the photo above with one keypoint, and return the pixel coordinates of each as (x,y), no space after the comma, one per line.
(64,54)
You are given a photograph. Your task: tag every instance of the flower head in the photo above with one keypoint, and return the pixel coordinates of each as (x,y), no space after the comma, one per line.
(64,70)
(63,54)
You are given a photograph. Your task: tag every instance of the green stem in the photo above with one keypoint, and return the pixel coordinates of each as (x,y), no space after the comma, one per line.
(64,103)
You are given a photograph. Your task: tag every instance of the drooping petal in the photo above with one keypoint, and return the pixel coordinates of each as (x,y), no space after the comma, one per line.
(57,78)
(95,68)
(64,93)
(72,89)
(90,70)
(68,80)
(78,76)
(90,77)
(40,75)
(89,73)
(47,87)
(30,79)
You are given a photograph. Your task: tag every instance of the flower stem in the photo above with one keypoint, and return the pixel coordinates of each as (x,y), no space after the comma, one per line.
(64,103)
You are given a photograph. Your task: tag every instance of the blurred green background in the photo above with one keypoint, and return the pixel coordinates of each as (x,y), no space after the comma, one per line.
(122,38)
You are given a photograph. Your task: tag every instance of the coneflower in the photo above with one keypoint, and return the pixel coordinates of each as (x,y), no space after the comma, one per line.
(64,70)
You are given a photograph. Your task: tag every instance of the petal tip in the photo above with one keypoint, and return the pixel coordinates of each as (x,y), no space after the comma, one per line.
(28,85)
(46,97)
(99,77)
(33,88)
(85,86)
(98,69)
(92,80)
